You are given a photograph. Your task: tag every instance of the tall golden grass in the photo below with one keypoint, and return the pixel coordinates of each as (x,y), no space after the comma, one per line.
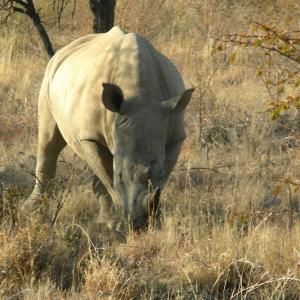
(231,207)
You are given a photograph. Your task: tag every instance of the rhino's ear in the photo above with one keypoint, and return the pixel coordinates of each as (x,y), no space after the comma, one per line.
(179,103)
(112,97)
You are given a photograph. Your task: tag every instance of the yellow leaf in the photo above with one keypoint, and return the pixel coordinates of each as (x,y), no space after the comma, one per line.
(283,106)
(275,114)
(280,90)
(259,72)
(244,220)
(220,47)
(276,191)
(257,43)
(232,57)
(297,83)
(288,180)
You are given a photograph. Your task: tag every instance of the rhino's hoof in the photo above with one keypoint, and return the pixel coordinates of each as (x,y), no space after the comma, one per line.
(32,206)
(110,222)
(104,220)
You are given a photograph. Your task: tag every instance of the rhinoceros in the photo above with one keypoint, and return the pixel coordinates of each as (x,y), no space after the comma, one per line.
(118,103)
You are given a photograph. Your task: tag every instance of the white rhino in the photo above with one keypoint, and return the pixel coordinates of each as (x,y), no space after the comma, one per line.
(118,104)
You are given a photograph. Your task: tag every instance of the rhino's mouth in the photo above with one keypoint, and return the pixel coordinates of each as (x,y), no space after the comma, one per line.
(140,222)
(143,219)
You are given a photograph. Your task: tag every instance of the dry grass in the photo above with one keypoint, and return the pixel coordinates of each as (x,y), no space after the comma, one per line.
(231,208)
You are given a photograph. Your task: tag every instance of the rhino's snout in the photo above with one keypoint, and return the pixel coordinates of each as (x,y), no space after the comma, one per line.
(147,213)
(139,222)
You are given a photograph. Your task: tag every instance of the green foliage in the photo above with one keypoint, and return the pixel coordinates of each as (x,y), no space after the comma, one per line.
(280,66)
(277,107)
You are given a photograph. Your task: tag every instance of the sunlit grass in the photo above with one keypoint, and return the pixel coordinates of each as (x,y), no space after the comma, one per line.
(231,207)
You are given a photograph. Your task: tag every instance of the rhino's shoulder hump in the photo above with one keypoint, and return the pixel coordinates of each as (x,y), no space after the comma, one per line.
(123,43)
(90,41)
(116,30)
(96,38)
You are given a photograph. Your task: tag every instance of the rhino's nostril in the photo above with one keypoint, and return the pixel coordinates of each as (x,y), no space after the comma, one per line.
(140,222)
(135,202)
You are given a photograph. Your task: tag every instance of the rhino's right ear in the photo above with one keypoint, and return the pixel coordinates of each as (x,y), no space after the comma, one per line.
(179,103)
(112,97)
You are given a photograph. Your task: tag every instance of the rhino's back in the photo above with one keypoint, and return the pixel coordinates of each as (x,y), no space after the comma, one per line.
(74,77)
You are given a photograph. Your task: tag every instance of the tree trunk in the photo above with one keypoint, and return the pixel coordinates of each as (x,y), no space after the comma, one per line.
(103,11)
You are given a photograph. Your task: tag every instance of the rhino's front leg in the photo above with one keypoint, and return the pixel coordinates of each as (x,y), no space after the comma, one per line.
(172,152)
(105,201)
(100,160)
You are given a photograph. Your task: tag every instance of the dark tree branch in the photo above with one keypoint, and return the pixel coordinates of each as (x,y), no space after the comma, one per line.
(74,8)
(32,13)
(103,11)
(27,8)
(268,48)
(284,43)
(19,10)
(22,3)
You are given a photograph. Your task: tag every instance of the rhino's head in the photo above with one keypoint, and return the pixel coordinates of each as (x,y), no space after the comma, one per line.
(139,142)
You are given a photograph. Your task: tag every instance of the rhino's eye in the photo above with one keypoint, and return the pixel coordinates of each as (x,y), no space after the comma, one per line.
(120,176)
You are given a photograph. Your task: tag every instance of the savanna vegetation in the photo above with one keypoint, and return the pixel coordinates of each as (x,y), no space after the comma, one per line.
(231,218)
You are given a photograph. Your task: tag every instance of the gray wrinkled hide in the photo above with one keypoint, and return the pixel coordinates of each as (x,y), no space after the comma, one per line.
(118,104)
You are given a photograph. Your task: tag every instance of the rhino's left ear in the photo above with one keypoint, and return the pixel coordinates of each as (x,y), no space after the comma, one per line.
(112,97)
(179,103)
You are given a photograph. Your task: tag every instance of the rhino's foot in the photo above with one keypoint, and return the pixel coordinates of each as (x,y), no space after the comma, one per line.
(111,220)
(106,219)
(106,214)
(35,205)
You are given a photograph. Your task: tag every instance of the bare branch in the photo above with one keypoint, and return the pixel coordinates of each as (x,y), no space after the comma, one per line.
(21,2)
(271,49)
(103,11)
(27,8)
(19,10)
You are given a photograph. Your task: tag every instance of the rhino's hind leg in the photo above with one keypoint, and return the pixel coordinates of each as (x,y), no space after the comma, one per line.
(50,144)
